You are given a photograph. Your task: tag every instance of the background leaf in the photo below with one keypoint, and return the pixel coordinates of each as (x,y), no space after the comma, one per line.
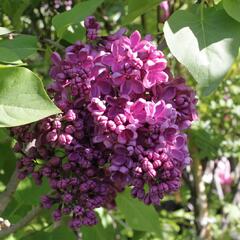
(15,10)
(22,98)
(232,7)
(138,7)
(97,232)
(206,43)
(138,215)
(28,193)
(23,45)
(63,21)
(9,56)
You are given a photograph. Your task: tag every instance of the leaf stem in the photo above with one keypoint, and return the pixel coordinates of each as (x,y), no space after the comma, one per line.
(22,223)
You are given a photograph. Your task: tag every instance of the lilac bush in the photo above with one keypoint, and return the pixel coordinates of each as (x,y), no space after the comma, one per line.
(122,122)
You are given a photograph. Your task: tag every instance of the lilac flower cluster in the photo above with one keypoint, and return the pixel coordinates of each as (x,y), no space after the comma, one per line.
(121,125)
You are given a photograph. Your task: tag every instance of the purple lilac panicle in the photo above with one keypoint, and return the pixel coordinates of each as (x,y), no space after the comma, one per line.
(121,122)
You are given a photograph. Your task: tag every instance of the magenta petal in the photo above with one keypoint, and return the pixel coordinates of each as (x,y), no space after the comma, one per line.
(159,66)
(121,138)
(162,77)
(157,76)
(150,109)
(180,141)
(115,50)
(135,38)
(126,87)
(118,78)
(159,107)
(119,160)
(169,93)
(177,154)
(149,80)
(82,56)
(95,91)
(105,87)
(138,106)
(137,86)
(56,58)
(108,60)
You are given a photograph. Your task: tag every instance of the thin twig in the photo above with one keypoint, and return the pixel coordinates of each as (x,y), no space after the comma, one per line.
(5,197)
(200,202)
(54,43)
(22,223)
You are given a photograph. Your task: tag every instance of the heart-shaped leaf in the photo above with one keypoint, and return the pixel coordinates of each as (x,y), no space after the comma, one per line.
(206,41)
(232,7)
(22,98)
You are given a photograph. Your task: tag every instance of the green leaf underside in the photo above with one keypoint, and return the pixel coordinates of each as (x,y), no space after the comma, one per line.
(23,45)
(232,7)
(138,215)
(22,98)
(206,44)
(78,13)
(138,7)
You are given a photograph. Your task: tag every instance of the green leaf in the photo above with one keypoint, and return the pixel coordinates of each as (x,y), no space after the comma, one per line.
(4,30)
(232,7)
(4,135)
(206,42)
(62,233)
(207,144)
(23,45)
(138,7)
(59,233)
(22,98)
(78,13)
(74,33)
(8,56)
(7,161)
(28,193)
(98,232)
(138,215)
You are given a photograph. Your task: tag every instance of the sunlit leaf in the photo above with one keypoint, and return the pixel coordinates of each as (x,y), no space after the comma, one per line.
(22,98)
(232,7)
(206,41)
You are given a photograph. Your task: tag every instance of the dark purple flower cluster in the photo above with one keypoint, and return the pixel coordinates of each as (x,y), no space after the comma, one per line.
(121,125)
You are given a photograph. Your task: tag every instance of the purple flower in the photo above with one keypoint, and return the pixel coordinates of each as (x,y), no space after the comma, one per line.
(165,10)
(121,125)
